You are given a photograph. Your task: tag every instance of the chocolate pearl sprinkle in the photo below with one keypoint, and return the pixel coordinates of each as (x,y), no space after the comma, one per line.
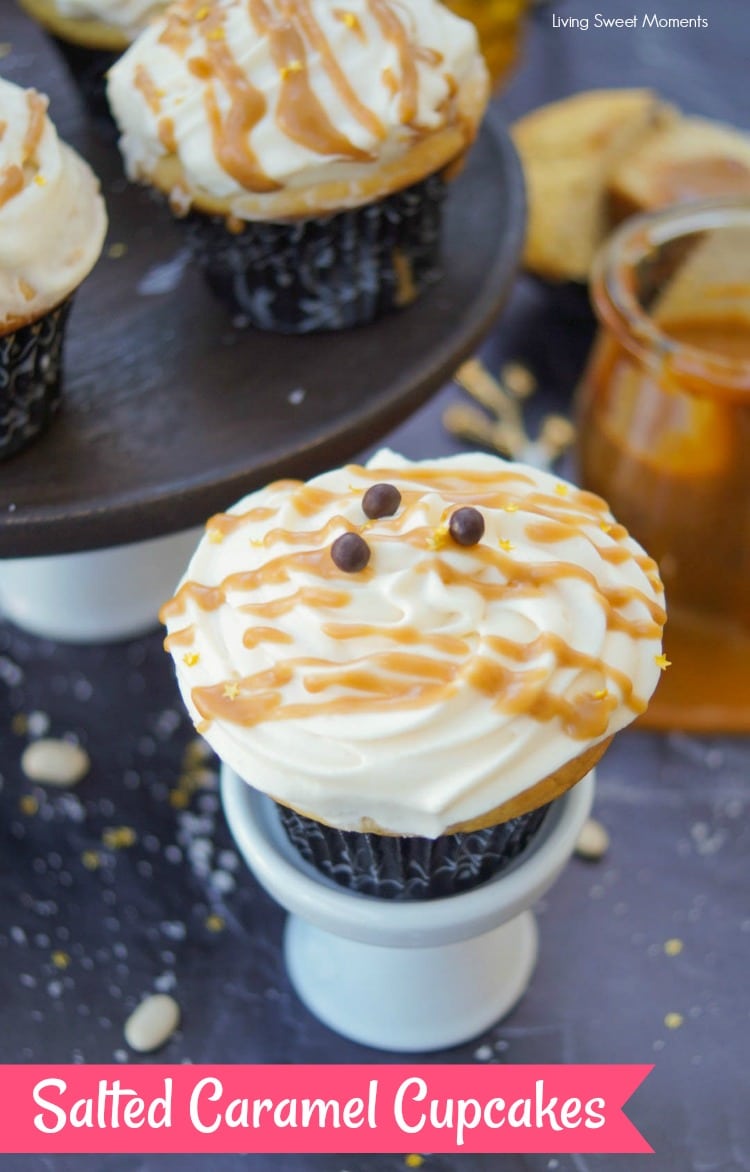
(350,553)
(466,526)
(382,500)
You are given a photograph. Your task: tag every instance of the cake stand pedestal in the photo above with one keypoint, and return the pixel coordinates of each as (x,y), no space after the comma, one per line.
(413,976)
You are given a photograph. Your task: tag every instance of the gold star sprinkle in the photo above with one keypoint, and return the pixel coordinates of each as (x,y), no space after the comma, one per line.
(673,947)
(60,959)
(117,837)
(215,536)
(290,68)
(414,1161)
(91,860)
(216,34)
(605,526)
(506,545)
(40,180)
(662,662)
(190,658)
(202,13)
(215,923)
(117,251)
(673,1021)
(231,691)
(511,507)
(561,489)
(28,804)
(438,539)
(601,694)
(178,799)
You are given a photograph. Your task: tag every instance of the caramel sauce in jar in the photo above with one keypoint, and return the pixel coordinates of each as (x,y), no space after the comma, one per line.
(664,436)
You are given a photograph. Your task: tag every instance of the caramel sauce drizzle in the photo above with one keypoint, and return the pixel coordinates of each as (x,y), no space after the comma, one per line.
(393,30)
(230,133)
(12,179)
(35,129)
(299,113)
(11,182)
(513,675)
(315,36)
(145,84)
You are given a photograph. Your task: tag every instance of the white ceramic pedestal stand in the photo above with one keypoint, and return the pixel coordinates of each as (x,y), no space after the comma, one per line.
(411,976)
(95,596)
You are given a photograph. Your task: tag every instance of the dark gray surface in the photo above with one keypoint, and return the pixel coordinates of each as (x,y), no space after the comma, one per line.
(676,807)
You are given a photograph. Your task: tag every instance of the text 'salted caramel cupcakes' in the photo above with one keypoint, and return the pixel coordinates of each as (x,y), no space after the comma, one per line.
(414,659)
(308,144)
(52,227)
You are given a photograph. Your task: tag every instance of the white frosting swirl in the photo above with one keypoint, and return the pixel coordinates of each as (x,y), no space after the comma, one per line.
(52,217)
(129,15)
(348,56)
(437,684)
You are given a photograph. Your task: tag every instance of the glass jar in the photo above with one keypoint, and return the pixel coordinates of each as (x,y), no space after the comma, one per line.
(500,26)
(664,437)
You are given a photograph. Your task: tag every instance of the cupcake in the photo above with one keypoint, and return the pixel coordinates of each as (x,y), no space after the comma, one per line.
(91,35)
(414,659)
(52,227)
(308,144)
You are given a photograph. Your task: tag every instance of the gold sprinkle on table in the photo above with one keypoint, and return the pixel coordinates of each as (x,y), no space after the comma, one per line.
(60,959)
(215,923)
(5,49)
(91,860)
(179,799)
(19,724)
(28,804)
(414,1161)
(673,947)
(118,837)
(117,250)
(662,662)
(673,1021)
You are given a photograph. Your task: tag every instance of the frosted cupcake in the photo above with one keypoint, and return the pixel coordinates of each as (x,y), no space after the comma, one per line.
(415,659)
(52,227)
(91,35)
(308,144)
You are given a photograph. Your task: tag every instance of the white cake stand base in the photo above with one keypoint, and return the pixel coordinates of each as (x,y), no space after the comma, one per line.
(413,976)
(96,596)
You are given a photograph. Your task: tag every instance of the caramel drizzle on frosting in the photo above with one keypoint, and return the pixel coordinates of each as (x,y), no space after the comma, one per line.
(292,31)
(514,675)
(299,113)
(12,177)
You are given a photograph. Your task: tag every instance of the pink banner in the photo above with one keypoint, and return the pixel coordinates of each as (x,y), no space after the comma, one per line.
(333,1109)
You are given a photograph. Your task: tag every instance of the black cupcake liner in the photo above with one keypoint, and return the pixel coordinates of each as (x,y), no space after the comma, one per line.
(88,68)
(330,273)
(31,378)
(410,868)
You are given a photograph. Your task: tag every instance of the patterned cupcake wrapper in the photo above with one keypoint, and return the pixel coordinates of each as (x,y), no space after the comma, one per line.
(88,68)
(31,378)
(331,273)
(410,868)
